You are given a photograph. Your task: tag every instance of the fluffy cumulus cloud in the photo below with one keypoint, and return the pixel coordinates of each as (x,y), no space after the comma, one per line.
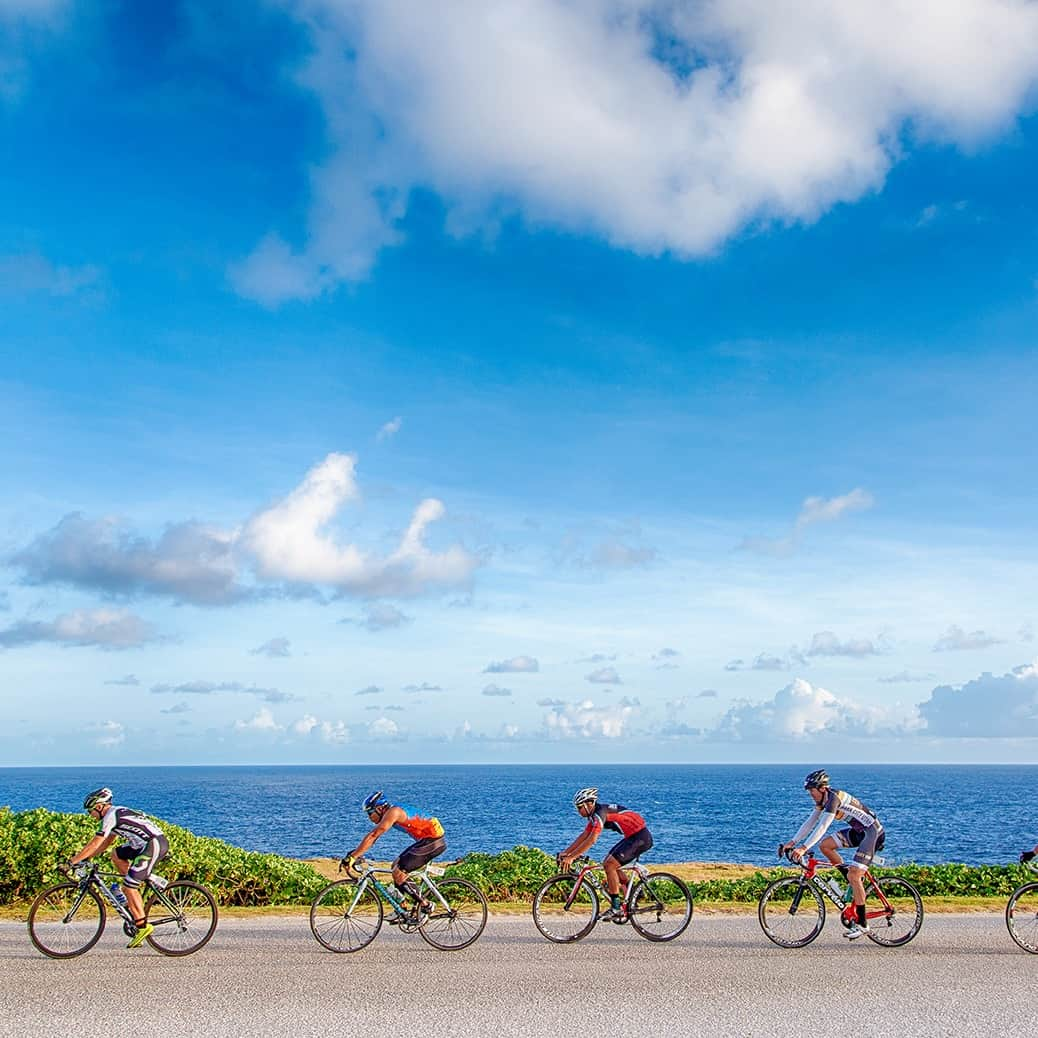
(289,544)
(261,721)
(516,665)
(813,511)
(334,732)
(986,707)
(103,628)
(584,720)
(659,125)
(955,639)
(800,711)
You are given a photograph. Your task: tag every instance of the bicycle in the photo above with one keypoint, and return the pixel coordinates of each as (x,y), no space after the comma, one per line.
(1022,914)
(792,909)
(347,915)
(68,918)
(657,904)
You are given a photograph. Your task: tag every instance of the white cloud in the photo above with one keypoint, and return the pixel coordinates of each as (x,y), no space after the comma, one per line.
(604,676)
(261,721)
(800,711)
(390,429)
(986,707)
(764,661)
(209,688)
(381,616)
(104,628)
(657,126)
(584,720)
(32,274)
(516,665)
(130,680)
(309,726)
(275,648)
(825,643)
(905,677)
(496,690)
(108,733)
(955,639)
(814,510)
(384,728)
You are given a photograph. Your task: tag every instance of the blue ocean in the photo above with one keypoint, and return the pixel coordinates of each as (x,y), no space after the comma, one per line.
(974,814)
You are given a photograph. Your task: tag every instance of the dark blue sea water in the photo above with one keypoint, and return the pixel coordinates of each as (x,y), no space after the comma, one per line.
(737,813)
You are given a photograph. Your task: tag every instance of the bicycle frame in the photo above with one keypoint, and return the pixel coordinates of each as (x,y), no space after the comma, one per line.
(368,876)
(588,868)
(811,868)
(100,880)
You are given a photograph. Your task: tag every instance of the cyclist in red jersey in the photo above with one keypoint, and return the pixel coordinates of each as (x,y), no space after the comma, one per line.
(425,830)
(636,841)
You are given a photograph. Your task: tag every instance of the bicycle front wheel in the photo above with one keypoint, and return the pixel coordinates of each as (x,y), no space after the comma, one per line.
(791,912)
(345,917)
(898,920)
(66,920)
(184,916)
(562,914)
(660,907)
(1022,917)
(461,922)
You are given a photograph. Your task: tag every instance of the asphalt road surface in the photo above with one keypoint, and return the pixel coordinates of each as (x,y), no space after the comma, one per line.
(267,976)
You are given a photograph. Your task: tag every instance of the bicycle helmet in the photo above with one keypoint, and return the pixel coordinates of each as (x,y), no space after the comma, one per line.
(98,796)
(585,796)
(817,779)
(377,799)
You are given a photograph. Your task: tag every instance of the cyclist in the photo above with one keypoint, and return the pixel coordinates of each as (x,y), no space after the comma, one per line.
(636,841)
(426,831)
(864,832)
(1026,856)
(143,846)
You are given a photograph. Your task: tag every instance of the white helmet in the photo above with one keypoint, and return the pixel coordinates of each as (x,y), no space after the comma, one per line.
(585,796)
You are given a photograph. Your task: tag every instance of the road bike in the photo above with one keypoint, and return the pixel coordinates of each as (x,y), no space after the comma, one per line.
(68,918)
(657,904)
(347,914)
(792,909)
(1022,914)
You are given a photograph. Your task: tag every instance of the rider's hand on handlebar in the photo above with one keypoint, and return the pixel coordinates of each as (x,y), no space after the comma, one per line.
(346,864)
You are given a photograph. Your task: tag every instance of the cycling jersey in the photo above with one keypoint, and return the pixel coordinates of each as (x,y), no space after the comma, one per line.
(419,826)
(616,817)
(835,805)
(136,830)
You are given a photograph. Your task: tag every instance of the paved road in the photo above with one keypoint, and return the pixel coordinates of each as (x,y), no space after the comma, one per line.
(267,976)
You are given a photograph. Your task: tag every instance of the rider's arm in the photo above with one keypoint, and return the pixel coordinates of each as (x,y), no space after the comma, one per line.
(824,820)
(389,819)
(585,841)
(98,844)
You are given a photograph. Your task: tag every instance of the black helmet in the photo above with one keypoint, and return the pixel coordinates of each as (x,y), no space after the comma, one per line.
(817,779)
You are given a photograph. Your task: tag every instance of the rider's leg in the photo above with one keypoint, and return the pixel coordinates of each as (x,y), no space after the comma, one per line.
(831,849)
(614,875)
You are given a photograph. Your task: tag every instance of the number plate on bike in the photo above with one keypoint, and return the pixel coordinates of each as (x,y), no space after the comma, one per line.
(435,870)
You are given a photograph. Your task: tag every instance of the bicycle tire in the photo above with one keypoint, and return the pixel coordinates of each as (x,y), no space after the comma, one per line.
(56,938)
(1022,917)
(192,924)
(461,924)
(342,923)
(898,928)
(784,904)
(559,923)
(660,907)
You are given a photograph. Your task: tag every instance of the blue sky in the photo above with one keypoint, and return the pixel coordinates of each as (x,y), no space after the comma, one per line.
(634,381)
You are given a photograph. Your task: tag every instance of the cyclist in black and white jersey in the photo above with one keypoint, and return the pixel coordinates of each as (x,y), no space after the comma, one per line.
(863,832)
(143,845)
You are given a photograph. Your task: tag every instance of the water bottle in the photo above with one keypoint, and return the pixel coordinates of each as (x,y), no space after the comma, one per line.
(117,893)
(835,889)
(158,882)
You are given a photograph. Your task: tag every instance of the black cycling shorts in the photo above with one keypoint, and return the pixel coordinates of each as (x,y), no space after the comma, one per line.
(144,860)
(630,847)
(420,853)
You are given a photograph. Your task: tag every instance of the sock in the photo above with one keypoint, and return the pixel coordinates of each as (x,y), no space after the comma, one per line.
(615,901)
(407,887)
(861,915)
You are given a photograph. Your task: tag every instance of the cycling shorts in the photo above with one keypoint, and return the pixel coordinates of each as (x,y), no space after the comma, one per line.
(868,841)
(630,847)
(420,853)
(144,860)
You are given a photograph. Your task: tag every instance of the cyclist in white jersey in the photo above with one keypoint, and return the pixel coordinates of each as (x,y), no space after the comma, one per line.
(864,832)
(143,845)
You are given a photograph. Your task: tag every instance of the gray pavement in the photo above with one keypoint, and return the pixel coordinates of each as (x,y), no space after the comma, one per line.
(267,976)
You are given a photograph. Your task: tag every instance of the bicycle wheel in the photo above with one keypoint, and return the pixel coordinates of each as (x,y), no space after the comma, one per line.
(562,917)
(1022,917)
(660,907)
(458,925)
(345,917)
(184,917)
(65,920)
(898,924)
(791,912)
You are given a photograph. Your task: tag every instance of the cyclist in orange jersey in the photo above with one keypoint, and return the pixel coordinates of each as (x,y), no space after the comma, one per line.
(424,829)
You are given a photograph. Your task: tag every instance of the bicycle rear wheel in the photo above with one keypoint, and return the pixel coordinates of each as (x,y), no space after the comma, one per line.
(1022,917)
(660,907)
(791,912)
(65,920)
(184,917)
(561,915)
(461,923)
(891,927)
(344,917)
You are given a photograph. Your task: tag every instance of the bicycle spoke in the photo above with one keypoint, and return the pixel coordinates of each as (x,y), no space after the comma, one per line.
(558,922)
(660,907)
(461,922)
(1022,917)
(898,921)
(791,912)
(345,917)
(66,921)
(184,917)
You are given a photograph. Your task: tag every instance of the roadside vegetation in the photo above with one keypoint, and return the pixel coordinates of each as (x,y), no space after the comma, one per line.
(34,843)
